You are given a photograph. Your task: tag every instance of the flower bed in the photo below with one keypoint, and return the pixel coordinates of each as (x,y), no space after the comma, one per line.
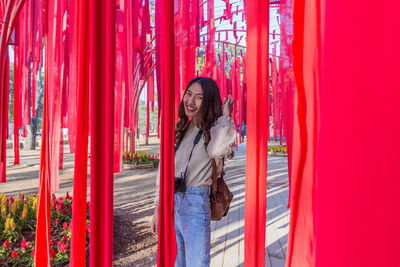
(140,160)
(277,150)
(18,226)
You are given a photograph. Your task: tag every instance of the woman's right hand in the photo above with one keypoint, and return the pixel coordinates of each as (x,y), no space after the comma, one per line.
(154,222)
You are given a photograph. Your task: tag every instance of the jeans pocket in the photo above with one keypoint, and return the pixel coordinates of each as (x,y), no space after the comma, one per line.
(198,202)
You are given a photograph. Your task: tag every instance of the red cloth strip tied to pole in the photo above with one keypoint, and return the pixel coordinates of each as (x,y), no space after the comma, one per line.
(166,233)
(42,240)
(257,139)
(102,74)
(78,233)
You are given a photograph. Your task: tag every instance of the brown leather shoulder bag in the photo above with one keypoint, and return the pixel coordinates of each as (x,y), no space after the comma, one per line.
(220,196)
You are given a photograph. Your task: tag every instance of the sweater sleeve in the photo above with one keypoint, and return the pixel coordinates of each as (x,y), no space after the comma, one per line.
(222,137)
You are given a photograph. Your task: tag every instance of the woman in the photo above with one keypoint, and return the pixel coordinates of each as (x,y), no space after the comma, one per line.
(207,135)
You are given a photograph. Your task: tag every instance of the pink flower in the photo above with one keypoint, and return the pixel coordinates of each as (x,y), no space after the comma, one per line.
(6,244)
(52,253)
(54,203)
(11,199)
(65,225)
(14,254)
(53,197)
(23,197)
(62,247)
(56,222)
(65,238)
(24,244)
(53,242)
(64,212)
(58,207)
(68,197)
(61,200)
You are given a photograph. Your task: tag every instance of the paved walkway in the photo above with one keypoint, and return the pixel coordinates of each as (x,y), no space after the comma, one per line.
(133,206)
(227,235)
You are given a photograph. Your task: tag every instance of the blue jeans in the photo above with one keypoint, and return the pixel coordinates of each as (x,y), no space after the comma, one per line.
(192,227)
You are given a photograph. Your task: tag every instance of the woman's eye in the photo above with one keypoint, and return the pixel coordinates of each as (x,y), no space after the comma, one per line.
(200,97)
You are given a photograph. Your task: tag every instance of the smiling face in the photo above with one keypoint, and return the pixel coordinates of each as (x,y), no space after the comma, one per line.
(192,99)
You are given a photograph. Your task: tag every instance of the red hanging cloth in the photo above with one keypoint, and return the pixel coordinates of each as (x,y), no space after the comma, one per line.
(306,48)
(16,102)
(287,77)
(120,82)
(257,139)
(357,190)
(102,80)
(166,234)
(211,60)
(72,89)
(55,49)
(78,233)
(4,118)
(274,79)
(42,239)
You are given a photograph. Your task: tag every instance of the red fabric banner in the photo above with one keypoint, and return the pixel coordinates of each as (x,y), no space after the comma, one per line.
(120,81)
(102,73)
(274,79)
(4,117)
(55,49)
(257,139)
(35,69)
(186,39)
(166,233)
(78,233)
(42,239)
(306,48)
(211,60)
(356,192)
(16,102)
(72,89)
(25,67)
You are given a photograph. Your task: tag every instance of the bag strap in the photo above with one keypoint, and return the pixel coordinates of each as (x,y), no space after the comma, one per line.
(196,140)
(215,174)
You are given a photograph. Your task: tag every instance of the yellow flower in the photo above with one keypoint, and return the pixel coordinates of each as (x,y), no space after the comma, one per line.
(7,224)
(12,223)
(35,204)
(2,198)
(24,211)
(3,210)
(14,207)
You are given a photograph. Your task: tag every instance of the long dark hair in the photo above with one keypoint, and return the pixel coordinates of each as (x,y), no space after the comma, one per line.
(209,112)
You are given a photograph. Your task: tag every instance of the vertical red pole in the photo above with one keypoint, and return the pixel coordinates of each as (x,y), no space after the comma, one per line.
(166,233)
(102,70)
(257,139)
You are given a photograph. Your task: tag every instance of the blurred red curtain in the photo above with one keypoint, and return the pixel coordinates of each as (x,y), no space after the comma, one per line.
(257,139)
(345,199)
